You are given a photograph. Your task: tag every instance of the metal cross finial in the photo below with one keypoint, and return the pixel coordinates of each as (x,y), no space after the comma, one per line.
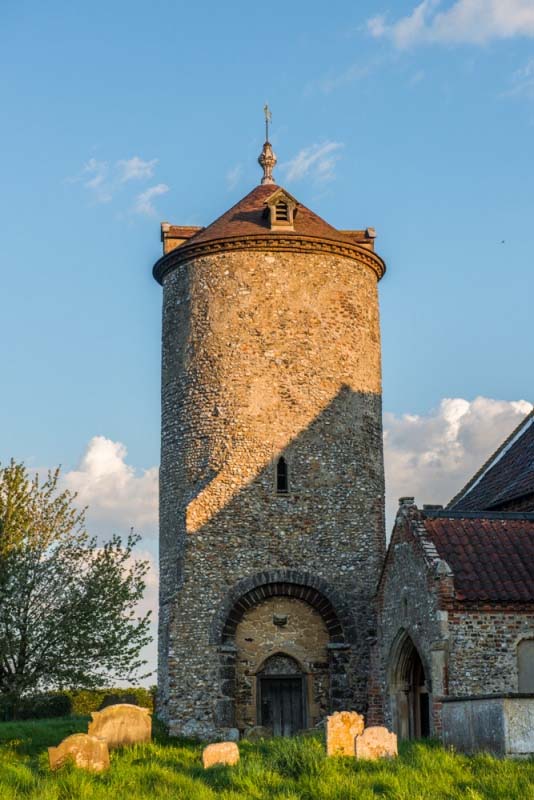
(268,118)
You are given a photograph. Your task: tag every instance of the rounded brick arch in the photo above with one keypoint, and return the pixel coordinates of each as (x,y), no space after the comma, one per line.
(297,584)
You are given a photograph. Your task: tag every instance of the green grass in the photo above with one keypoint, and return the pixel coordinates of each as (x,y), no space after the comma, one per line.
(280,769)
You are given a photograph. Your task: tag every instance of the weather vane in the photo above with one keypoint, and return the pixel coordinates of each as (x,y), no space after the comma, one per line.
(267,159)
(268,118)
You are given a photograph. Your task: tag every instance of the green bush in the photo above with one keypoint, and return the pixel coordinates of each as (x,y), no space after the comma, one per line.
(83,701)
(38,706)
(80,702)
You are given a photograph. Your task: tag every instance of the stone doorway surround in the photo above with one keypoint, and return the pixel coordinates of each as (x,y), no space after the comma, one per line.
(409,689)
(301,586)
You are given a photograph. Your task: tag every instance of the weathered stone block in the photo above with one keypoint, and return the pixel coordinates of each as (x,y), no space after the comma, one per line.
(376,742)
(223,753)
(501,725)
(257,732)
(224,713)
(122,724)
(87,752)
(341,731)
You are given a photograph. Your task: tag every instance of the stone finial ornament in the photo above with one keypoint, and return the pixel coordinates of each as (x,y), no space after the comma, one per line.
(267,162)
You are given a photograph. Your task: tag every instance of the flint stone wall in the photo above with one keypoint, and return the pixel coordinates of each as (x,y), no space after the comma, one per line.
(408,604)
(483,649)
(265,354)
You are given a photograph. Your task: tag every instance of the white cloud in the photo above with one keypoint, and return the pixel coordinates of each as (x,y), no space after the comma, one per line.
(416,78)
(135,169)
(432,456)
(143,201)
(331,82)
(104,181)
(318,161)
(94,178)
(465,21)
(118,496)
(523,81)
(233,176)
(150,602)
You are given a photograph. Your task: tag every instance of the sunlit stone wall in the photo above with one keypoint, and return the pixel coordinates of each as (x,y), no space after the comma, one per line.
(265,353)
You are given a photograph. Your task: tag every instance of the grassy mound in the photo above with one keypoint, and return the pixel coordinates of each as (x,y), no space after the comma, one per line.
(280,769)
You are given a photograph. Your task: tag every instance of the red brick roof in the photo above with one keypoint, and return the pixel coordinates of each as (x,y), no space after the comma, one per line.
(248,218)
(492,560)
(505,478)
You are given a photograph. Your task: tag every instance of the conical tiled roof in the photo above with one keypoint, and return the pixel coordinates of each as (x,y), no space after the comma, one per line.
(247,225)
(249,218)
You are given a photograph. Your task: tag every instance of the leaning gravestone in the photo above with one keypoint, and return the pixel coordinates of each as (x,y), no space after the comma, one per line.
(257,732)
(376,742)
(122,724)
(221,753)
(87,752)
(341,730)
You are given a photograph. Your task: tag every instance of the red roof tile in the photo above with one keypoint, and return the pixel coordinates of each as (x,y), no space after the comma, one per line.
(492,560)
(248,218)
(506,477)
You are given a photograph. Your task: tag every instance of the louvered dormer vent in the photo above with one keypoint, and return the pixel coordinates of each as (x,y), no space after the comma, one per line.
(282,208)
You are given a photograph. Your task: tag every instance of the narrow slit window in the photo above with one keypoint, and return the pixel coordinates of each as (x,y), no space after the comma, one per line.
(282,212)
(282,483)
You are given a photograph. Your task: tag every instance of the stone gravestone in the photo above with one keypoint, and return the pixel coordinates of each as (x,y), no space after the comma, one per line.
(114,699)
(376,742)
(222,753)
(257,732)
(341,731)
(122,724)
(87,752)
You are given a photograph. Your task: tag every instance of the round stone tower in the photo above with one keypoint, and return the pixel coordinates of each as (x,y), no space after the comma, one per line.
(271,482)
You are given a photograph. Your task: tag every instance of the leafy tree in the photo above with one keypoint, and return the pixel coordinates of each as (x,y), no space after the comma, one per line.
(68,614)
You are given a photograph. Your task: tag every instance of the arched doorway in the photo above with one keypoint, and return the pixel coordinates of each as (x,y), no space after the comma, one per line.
(282,695)
(294,614)
(409,692)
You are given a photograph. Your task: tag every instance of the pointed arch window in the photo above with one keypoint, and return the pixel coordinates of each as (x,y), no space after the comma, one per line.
(282,479)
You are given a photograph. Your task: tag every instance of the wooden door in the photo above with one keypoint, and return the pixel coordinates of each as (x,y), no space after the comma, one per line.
(281,706)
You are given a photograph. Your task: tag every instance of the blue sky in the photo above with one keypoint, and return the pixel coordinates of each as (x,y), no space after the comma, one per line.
(417,119)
